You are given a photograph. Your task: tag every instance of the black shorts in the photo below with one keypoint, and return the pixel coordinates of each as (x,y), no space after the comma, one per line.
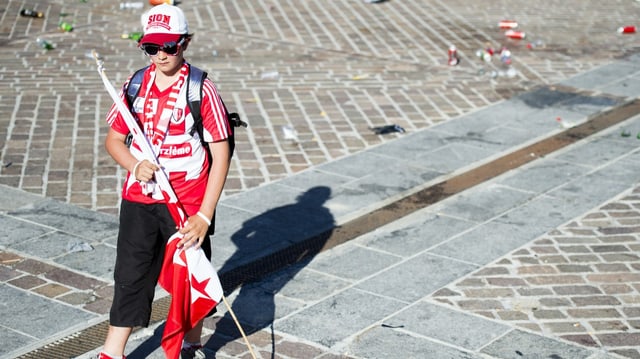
(143,234)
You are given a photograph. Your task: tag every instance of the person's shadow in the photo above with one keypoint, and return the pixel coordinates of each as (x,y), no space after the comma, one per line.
(307,223)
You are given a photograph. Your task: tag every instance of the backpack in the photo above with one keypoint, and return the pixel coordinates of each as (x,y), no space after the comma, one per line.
(195,80)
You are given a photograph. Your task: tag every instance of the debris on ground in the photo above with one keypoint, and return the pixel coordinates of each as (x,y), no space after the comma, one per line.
(383,130)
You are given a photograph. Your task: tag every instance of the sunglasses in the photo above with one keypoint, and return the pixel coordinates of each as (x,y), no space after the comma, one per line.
(169,48)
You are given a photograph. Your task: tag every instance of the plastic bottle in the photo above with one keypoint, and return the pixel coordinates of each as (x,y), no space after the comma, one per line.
(131,5)
(65,26)
(135,36)
(45,44)
(31,13)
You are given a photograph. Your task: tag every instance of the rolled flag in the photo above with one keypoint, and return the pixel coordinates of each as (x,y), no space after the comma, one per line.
(512,34)
(508,24)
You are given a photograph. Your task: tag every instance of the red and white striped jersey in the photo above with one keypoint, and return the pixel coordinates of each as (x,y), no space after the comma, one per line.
(181,154)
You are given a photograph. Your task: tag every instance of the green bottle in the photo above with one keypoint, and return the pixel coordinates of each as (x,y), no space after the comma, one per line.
(45,44)
(135,36)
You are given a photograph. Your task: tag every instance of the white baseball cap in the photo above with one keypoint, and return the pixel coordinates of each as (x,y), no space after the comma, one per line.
(163,24)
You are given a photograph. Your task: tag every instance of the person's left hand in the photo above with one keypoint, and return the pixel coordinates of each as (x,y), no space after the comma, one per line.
(194,231)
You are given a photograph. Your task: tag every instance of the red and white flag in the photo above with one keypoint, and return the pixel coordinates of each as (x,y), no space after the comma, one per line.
(195,288)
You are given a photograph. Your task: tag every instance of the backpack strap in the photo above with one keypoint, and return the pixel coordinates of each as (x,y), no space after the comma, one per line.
(195,81)
(131,90)
(133,87)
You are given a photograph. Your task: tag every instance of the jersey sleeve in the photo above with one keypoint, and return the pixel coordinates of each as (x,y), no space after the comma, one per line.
(214,118)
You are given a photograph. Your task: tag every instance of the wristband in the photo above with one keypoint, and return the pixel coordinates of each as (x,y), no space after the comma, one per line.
(134,170)
(204,218)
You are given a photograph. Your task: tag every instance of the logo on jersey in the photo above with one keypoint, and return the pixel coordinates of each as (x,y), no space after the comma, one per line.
(176,151)
(177,115)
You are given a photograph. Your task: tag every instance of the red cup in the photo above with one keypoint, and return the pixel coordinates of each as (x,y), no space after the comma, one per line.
(627,30)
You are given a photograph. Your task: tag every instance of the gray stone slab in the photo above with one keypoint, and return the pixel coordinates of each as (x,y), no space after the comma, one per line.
(540,214)
(386,343)
(415,233)
(13,199)
(338,317)
(541,176)
(522,345)
(590,191)
(597,151)
(352,262)
(453,157)
(314,178)
(16,230)
(12,340)
(603,76)
(98,262)
(414,145)
(485,243)
(78,221)
(449,326)
(261,199)
(393,180)
(628,87)
(359,165)
(304,285)
(32,314)
(482,203)
(50,245)
(348,203)
(416,277)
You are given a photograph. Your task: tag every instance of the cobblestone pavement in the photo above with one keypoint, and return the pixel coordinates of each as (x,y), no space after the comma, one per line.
(580,282)
(331,72)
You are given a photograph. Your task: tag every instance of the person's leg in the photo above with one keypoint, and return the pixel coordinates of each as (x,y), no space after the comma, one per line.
(194,335)
(116,340)
(138,260)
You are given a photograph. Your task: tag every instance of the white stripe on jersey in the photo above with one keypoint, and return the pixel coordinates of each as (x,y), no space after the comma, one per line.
(210,94)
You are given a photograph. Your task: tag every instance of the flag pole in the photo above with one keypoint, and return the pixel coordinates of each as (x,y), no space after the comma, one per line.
(162,179)
(244,336)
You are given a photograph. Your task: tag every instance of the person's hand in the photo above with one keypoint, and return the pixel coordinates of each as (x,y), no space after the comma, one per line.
(194,231)
(144,170)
